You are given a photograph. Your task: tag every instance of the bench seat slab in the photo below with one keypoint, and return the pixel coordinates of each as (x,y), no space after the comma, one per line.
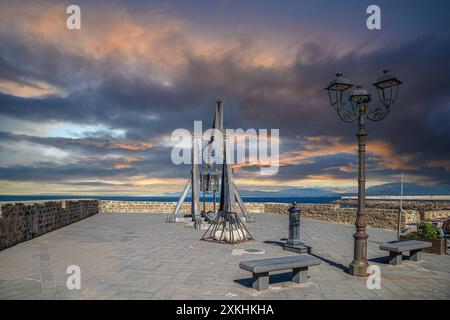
(281,263)
(405,245)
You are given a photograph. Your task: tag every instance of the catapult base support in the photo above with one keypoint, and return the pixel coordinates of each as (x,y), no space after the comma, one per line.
(227,228)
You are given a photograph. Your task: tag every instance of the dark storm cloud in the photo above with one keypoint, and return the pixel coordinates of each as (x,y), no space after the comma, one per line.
(93,145)
(39,60)
(92,158)
(93,167)
(296,93)
(318,166)
(50,172)
(293,99)
(288,97)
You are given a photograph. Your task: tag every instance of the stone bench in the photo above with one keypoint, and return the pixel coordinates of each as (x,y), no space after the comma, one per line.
(261,268)
(396,250)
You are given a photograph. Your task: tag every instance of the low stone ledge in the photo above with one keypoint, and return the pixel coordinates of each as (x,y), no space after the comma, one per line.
(378,218)
(24,220)
(110,206)
(21,221)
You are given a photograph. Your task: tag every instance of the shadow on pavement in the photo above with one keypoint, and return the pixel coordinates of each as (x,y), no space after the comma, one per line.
(332,263)
(274,243)
(273,278)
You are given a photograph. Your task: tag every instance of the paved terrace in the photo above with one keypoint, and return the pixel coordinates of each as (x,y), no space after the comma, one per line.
(138,256)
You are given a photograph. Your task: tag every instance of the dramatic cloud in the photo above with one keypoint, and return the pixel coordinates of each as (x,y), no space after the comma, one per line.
(91,110)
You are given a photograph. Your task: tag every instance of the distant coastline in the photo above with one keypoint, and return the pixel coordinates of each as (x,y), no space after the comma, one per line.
(166,198)
(275,199)
(410,198)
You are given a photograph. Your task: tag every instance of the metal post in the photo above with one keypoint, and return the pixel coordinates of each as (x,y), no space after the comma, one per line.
(399,222)
(181,200)
(359,265)
(227,194)
(195,207)
(240,202)
(204,201)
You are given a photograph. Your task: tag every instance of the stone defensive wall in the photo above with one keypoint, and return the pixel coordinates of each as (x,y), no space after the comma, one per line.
(392,204)
(166,207)
(378,218)
(21,221)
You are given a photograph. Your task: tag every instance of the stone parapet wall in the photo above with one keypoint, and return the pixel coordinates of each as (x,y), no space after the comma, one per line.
(165,207)
(21,221)
(437,214)
(418,205)
(378,218)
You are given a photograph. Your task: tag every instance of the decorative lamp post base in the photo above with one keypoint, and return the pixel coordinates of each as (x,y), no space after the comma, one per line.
(359,265)
(358,269)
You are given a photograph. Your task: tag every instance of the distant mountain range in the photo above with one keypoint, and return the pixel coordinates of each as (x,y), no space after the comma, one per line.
(290,192)
(388,189)
(287,192)
(409,189)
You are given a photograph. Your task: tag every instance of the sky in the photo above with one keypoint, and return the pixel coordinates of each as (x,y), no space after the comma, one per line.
(91,111)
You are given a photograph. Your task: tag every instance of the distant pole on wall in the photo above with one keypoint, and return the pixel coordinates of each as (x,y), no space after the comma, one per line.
(399,222)
(195,201)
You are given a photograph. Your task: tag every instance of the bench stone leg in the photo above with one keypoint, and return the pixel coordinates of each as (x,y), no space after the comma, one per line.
(415,255)
(395,258)
(300,275)
(260,281)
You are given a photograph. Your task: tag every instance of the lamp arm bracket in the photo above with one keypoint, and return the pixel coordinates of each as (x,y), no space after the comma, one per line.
(345,114)
(378,113)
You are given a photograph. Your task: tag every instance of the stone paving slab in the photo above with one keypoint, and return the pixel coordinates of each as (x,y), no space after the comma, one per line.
(139,256)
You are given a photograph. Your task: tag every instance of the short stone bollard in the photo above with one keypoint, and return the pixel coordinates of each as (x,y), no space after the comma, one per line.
(293,243)
(294,225)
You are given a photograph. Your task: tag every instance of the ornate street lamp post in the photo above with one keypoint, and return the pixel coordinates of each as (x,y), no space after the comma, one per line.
(356,107)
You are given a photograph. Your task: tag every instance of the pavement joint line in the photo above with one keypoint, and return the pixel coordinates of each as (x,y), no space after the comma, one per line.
(46,271)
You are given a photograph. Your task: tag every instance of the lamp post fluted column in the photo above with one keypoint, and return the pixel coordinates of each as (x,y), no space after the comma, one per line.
(356,107)
(359,265)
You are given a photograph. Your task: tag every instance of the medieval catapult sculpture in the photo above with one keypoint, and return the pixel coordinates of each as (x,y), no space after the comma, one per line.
(225,225)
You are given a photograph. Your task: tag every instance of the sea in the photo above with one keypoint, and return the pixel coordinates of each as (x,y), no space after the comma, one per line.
(321,200)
